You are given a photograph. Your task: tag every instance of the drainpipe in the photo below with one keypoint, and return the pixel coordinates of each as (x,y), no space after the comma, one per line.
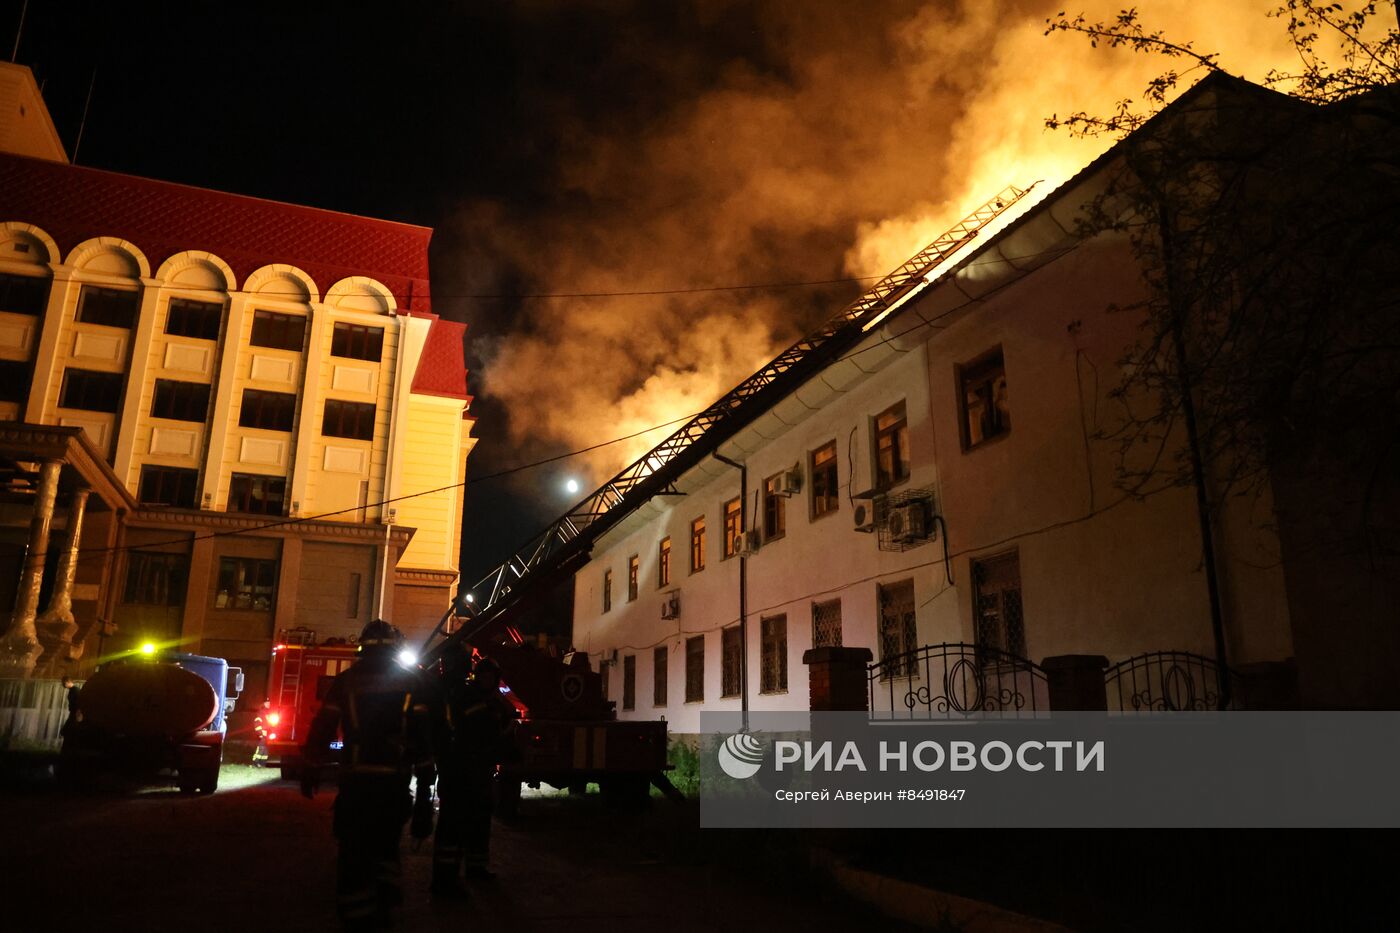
(743,589)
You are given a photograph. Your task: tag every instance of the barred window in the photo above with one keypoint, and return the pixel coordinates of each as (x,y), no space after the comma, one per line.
(604,669)
(607,590)
(257,494)
(201,319)
(24,294)
(156,579)
(633,567)
(898,632)
(733,526)
(774,659)
(110,307)
(731,660)
(168,486)
(278,331)
(88,390)
(826,624)
(663,563)
(354,420)
(695,669)
(271,411)
(659,661)
(246,583)
(697,545)
(999,620)
(629,682)
(180,401)
(824,480)
(357,341)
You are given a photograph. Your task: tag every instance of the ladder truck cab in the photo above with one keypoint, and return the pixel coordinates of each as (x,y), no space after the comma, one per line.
(299,676)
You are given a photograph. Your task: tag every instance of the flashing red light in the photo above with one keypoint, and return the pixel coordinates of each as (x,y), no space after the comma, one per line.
(273,718)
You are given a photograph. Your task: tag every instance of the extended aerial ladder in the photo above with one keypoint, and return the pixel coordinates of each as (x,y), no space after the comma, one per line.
(565,545)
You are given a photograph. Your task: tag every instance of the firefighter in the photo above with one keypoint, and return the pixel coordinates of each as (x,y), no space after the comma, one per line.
(474,739)
(384,713)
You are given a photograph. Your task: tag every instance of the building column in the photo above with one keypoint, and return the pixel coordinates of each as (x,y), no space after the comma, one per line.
(20,647)
(56,627)
(1075,682)
(838,679)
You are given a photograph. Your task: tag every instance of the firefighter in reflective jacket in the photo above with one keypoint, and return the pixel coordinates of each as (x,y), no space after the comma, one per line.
(474,739)
(385,713)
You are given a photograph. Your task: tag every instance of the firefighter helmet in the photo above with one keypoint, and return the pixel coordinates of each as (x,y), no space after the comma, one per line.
(379,633)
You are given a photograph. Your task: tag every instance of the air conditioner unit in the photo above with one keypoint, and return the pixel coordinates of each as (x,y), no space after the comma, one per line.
(753,540)
(906,523)
(671,606)
(792,480)
(864,514)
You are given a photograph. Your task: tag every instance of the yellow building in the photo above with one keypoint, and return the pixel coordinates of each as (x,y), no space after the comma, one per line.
(265,382)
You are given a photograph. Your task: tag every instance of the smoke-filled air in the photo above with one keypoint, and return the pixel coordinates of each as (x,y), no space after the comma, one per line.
(843,138)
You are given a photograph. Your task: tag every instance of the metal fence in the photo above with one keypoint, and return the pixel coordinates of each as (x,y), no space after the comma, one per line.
(1166,681)
(956,680)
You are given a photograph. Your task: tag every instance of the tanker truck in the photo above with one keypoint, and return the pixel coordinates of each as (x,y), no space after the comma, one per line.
(153,711)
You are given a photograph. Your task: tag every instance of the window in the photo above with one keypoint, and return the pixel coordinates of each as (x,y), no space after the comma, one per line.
(633,565)
(731,660)
(257,494)
(774,508)
(348,419)
(15,378)
(24,294)
(898,631)
(352,597)
(891,447)
(659,660)
(774,657)
(180,401)
(201,319)
(91,391)
(733,526)
(695,669)
(607,590)
(697,545)
(357,341)
(246,583)
(604,669)
(169,486)
(629,682)
(982,396)
(156,579)
(111,307)
(278,331)
(824,482)
(663,563)
(826,624)
(271,411)
(997,614)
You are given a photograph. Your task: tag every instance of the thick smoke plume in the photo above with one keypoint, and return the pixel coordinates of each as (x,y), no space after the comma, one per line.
(843,138)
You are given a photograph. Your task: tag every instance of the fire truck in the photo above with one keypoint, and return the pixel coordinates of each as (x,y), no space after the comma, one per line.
(297,681)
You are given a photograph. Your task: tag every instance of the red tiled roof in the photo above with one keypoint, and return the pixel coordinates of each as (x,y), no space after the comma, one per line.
(442,367)
(72,203)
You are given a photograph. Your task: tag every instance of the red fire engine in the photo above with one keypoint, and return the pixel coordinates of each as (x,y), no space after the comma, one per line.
(297,681)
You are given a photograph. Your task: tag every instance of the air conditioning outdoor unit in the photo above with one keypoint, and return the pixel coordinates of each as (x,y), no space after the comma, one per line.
(908,522)
(671,606)
(864,514)
(753,540)
(792,480)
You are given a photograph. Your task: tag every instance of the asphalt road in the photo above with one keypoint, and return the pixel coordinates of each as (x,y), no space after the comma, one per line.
(258,856)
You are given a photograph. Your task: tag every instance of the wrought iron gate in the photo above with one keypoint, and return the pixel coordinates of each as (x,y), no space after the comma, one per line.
(1165,681)
(956,680)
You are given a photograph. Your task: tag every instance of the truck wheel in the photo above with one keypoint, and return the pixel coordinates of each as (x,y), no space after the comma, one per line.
(508,797)
(625,792)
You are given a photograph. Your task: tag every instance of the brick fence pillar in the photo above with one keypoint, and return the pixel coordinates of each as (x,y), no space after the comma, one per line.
(837,678)
(1075,681)
(1267,685)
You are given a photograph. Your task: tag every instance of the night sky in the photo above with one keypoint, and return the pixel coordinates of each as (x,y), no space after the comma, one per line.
(594,147)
